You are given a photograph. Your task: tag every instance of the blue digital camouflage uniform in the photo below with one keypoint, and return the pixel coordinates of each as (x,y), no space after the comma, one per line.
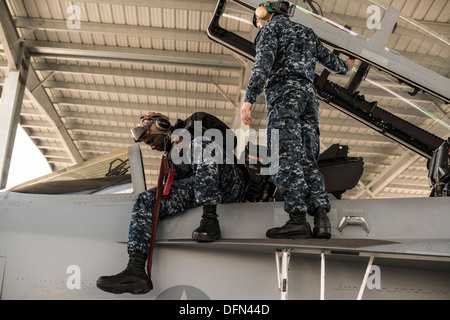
(211,183)
(286,56)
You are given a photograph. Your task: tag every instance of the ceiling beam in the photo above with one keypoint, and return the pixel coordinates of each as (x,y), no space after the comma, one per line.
(137,62)
(132,73)
(79,137)
(126,54)
(197,5)
(114,29)
(139,107)
(98,129)
(440,27)
(207,96)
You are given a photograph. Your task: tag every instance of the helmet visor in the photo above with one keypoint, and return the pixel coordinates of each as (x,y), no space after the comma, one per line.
(141,131)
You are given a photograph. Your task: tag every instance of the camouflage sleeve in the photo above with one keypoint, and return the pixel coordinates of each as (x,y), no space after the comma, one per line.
(329,60)
(266,43)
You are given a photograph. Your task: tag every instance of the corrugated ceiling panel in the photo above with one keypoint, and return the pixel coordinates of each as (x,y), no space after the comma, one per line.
(105,96)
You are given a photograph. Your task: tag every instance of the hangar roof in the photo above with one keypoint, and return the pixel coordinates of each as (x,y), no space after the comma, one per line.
(125,58)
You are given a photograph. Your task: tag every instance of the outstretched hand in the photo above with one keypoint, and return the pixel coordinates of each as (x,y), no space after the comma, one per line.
(351,63)
(245,113)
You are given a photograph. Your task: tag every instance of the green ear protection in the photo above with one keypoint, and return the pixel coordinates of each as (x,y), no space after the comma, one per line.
(265,9)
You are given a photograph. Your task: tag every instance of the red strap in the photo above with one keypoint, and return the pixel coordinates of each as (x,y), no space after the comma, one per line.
(162,171)
(169,182)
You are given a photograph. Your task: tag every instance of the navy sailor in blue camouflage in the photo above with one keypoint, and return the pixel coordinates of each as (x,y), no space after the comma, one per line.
(286,56)
(205,177)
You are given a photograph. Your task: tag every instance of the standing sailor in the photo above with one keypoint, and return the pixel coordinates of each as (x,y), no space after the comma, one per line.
(286,56)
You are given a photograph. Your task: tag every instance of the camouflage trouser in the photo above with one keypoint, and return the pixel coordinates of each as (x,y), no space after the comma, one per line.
(298,179)
(210,184)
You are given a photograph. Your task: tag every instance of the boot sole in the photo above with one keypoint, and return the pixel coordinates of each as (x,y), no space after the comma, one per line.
(324,234)
(290,236)
(204,238)
(119,289)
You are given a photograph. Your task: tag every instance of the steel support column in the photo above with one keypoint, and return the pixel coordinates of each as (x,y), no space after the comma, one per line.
(13,90)
(12,97)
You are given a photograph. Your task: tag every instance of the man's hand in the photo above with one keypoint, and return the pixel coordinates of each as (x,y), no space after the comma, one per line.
(245,113)
(350,63)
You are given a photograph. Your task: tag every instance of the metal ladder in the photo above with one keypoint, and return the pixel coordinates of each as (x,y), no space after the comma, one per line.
(282,259)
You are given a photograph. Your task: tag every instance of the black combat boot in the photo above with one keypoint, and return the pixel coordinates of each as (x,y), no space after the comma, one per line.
(322,226)
(296,228)
(132,280)
(209,229)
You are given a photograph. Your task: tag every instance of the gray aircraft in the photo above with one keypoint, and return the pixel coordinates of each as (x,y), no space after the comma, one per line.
(60,232)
